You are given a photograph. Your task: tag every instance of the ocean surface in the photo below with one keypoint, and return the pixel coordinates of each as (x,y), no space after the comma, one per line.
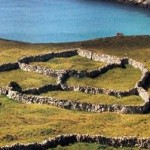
(69,20)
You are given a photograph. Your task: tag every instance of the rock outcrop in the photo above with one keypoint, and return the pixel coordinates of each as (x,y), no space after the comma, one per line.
(142,3)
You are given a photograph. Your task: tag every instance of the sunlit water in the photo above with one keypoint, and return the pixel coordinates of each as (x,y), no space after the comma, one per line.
(69,20)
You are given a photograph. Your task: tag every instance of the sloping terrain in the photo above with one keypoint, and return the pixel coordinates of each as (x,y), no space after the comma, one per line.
(42,121)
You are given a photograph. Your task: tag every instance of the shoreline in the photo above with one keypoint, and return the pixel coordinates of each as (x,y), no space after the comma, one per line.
(140,3)
(131,3)
(75,42)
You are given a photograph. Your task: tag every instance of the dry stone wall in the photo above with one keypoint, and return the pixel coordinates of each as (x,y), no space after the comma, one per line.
(43,89)
(74,105)
(39,69)
(63,75)
(145,96)
(145,73)
(9,66)
(92,73)
(93,90)
(48,56)
(67,139)
(22,96)
(99,57)
(14,91)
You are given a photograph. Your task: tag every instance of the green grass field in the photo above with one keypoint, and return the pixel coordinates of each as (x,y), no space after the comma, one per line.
(72,63)
(124,46)
(25,79)
(117,78)
(29,123)
(95,99)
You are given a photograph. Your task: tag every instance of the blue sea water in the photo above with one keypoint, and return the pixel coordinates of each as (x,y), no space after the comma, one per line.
(69,20)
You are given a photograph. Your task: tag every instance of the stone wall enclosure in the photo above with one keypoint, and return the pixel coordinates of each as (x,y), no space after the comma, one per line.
(29,96)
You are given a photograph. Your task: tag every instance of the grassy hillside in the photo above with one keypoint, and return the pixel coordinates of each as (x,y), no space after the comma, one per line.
(136,47)
(28,123)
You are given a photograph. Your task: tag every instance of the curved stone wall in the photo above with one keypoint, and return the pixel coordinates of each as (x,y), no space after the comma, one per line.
(93,90)
(48,56)
(9,66)
(99,57)
(67,139)
(63,75)
(38,69)
(14,91)
(73,105)
(43,89)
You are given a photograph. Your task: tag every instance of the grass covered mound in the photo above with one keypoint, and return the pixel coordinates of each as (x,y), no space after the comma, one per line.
(25,79)
(28,123)
(95,99)
(70,63)
(117,79)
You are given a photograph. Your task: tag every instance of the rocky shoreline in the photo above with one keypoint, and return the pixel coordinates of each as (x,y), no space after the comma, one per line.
(141,3)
